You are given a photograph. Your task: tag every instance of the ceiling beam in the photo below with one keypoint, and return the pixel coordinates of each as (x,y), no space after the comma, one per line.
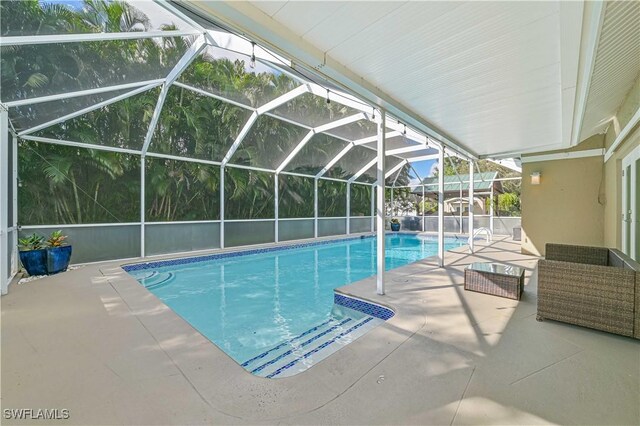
(78,38)
(411,148)
(587,64)
(422,158)
(78,93)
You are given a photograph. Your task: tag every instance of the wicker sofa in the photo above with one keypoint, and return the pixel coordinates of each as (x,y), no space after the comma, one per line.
(593,287)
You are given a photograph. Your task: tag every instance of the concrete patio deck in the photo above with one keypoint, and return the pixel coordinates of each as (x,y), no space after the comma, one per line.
(95,342)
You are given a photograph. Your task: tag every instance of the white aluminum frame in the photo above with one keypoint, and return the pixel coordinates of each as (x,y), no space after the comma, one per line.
(380,205)
(472,183)
(4,199)
(386,128)
(441,208)
(89,37)
(79,93)
(89,109)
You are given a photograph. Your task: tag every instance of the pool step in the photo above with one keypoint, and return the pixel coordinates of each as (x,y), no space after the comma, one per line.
(308,348)
(157,279)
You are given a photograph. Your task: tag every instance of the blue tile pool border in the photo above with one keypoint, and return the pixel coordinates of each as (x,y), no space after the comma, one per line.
(246,252)
(360,305)
(318,349)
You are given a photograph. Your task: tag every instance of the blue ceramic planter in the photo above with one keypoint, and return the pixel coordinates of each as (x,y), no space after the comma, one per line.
(58,259)
(395,227)
(34,261)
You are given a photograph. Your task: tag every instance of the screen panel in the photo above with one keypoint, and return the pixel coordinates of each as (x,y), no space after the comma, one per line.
(55,68)
(360,200)
(332,198)
(181,237)
(328,227)
(230,75)
(316,154)
(295,196)
(31,17)
(97,243)
(249,232)
(268,143)
(350,163)
(295,229)
(357,130)
(28,116)
(122,124)
(197,126)
(248,194)
(62,184)
(360,224)
(181,190)
(313,110)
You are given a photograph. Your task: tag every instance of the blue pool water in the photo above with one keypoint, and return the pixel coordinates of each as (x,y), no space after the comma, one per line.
(261,303)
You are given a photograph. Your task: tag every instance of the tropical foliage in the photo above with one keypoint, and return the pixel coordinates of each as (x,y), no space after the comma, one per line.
(32,242)
(56,239)
(65,184)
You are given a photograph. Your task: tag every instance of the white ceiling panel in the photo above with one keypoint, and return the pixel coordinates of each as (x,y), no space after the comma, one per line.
(303,16)
(617,65)
(475,69)
(270,7)
(348,21)
(492,77)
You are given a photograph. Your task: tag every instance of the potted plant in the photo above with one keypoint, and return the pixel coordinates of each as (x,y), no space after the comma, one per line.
(395,224)
(58,253)
(33,254)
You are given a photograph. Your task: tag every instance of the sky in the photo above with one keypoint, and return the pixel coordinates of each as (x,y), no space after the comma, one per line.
(425,168)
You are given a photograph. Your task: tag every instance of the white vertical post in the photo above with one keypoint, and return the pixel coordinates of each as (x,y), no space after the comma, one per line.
(315,207)
(460,209)
(471,185)
(423,206)
(4,198)
(348,208)
(276,196)
(16,256)
(221,207)
(441,207)
(373,207)
(491,210)
(142,205)
(380,213)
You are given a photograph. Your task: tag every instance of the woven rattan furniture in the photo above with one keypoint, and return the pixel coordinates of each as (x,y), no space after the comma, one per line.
(495,278)
(593,287)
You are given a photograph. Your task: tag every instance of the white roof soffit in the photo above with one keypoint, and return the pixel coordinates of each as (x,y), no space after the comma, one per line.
(488,78)
(615,65)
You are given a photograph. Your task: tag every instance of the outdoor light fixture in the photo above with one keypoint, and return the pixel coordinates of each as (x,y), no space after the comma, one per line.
(535,178)
(374,114)
(252,64)
(328,100)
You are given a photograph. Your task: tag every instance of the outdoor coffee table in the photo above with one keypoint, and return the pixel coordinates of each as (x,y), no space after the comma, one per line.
(497,279)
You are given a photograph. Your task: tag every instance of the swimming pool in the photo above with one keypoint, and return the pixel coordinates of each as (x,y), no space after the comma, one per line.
(274,310)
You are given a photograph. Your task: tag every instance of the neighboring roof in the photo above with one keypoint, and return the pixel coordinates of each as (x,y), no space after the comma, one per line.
(482,182)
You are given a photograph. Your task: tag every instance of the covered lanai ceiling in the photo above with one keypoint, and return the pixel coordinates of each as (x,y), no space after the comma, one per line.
(493,78)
